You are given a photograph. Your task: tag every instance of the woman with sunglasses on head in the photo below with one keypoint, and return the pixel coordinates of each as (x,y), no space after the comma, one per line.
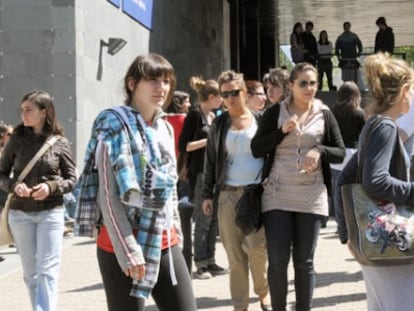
(229,166)
(298,149)
(36,209)
(129,180)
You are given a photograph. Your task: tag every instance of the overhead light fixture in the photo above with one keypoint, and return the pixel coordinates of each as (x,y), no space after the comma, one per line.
(114,46)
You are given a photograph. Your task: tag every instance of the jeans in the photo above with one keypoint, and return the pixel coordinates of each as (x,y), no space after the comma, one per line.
(38,237)
(299,232)
(205,230)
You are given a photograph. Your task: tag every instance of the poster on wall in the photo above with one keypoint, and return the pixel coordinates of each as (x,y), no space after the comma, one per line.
(140,10)
(117,3)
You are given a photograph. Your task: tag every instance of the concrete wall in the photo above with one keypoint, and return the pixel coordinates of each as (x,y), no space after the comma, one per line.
(193,35)
(37,51)
(54,45)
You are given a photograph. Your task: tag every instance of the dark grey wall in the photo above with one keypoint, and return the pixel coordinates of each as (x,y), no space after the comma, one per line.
(37,51)
(193,35)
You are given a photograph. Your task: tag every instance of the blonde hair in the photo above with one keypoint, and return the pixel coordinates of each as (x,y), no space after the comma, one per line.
(386,76)
(204,88)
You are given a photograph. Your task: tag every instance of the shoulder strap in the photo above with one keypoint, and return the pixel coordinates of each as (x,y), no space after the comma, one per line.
(48,143)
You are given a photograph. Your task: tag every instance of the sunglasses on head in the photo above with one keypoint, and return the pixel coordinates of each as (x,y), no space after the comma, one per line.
(303,84)
(233,93)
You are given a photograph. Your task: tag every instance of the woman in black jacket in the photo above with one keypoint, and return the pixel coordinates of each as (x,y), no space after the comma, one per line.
(299,138)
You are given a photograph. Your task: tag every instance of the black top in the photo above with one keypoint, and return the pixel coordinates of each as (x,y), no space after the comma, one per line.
(195,128)
(350,124)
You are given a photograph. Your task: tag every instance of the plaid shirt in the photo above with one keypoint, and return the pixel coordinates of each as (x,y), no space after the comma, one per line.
(124,156)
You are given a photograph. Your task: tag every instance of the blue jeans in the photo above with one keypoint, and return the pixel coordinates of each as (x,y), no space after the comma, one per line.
(299,232)
(205,230)
(38,237)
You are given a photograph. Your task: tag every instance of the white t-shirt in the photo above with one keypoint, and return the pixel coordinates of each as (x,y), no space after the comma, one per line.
(406,124)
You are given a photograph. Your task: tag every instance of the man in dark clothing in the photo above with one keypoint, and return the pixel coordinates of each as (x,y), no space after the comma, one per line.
(309,42)
(384,40)
(348,47)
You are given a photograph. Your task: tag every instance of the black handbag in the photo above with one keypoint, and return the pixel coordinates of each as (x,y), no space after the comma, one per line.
(249,209)
(379,233)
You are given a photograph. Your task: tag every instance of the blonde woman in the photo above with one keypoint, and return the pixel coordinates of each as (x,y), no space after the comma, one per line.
(384,172)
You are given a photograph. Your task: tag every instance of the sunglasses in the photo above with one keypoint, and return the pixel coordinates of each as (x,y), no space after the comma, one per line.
(233,93)
(303,84)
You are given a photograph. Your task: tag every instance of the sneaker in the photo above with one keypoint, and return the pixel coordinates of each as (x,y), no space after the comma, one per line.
(202,274)
(215,269)
(69,221)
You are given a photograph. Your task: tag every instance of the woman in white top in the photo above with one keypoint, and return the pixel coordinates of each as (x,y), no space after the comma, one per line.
(324,60)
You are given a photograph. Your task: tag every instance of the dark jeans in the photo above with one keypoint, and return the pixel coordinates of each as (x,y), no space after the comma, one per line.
(299,232)
(186,214)
(205,229)
(166,296)
(325,66)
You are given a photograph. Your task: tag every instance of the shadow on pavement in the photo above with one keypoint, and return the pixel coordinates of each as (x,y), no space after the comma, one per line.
(86,288)
(333,300)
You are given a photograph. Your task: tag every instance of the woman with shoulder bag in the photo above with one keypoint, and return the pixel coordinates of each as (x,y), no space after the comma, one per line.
(133,189)
(230,166)
(384,167)
(36,209)
(299,138)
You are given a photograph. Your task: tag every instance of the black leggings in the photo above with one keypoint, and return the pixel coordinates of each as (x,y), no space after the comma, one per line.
(167,297)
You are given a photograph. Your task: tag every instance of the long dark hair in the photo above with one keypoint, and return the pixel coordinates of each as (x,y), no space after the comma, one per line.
(320,38)
(43,101)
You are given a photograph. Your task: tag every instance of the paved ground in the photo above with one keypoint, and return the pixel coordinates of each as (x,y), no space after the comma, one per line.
(339,285)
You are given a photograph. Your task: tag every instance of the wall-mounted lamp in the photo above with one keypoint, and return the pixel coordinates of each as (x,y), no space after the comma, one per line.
(114,46)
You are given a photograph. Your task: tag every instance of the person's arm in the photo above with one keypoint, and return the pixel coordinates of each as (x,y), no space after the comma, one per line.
(6,165)
(332,150)
(376,178)
(128,252)
(196,145)
(268,134)
(210,157)
(67,168)
(186,142)
(359,45)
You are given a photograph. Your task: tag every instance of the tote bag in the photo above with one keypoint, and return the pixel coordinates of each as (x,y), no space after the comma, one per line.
(379,233)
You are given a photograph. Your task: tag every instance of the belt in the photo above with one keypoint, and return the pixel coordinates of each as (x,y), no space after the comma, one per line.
(230,188)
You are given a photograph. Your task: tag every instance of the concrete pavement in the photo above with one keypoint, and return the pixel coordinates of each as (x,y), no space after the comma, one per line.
(339,280)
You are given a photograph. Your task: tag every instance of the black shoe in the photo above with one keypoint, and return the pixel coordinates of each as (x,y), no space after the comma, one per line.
(266,307)
(215,269)
(2,258)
